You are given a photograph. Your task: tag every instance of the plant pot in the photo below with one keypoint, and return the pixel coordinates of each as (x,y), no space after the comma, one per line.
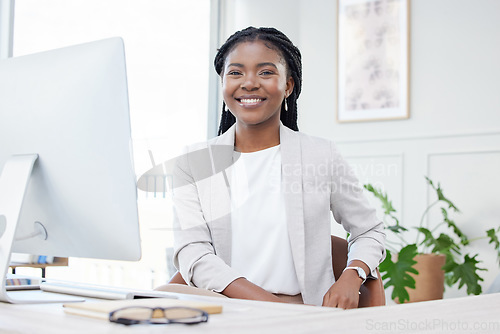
(429,283)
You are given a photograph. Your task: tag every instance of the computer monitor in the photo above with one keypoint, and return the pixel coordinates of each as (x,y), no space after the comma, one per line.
(68,186)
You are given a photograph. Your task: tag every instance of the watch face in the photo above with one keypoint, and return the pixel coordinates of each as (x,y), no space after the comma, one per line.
(361,273)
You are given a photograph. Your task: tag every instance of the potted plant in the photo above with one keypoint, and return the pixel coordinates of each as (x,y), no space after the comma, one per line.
(447,253)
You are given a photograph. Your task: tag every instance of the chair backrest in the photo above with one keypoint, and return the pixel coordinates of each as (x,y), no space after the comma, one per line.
(372,292)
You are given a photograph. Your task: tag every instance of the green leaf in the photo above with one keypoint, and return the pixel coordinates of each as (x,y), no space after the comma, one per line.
(397,273)
(445,245)
(440,194)
(386,204)
(448,279)
(492,234)
(387,207)
(429,239)
(397,228)
(465,274)
(451,224)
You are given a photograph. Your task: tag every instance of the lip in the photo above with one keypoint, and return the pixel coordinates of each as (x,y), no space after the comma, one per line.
(250,101)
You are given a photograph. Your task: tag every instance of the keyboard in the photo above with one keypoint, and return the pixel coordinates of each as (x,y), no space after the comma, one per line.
(100,291)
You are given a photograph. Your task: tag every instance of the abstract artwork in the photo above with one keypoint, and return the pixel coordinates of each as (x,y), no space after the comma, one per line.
(373,57)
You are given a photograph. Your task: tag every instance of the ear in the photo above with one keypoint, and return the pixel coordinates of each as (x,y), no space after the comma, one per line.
(290,83)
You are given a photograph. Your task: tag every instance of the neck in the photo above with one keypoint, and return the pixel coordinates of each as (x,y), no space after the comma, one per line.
(256,138)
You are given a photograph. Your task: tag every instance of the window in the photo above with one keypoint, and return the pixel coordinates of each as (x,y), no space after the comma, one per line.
(167,50)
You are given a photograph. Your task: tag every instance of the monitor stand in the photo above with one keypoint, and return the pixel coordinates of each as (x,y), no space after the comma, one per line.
(14,181)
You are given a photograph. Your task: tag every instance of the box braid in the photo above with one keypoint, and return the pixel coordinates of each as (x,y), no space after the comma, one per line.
(290,53)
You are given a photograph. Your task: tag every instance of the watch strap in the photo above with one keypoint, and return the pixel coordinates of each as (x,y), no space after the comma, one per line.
(359,270)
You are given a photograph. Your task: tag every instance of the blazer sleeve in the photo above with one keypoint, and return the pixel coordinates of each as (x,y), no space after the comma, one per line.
(194,254)
(351,209)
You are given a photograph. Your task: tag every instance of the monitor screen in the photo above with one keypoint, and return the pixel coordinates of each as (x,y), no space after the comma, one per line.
(70,107)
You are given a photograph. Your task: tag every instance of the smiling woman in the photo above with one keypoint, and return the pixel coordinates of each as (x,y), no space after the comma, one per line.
(273,243)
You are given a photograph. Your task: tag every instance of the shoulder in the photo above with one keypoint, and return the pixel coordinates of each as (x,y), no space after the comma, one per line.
(309,140)
(202,145)
(310,143)
(305,139)
(315,149)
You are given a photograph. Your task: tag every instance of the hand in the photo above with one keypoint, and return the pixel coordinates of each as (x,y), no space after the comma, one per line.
(345,292)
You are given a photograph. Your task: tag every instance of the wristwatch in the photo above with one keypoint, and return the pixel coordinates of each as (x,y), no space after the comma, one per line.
(360,271)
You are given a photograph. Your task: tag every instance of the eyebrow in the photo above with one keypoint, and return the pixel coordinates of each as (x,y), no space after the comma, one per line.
(258,65)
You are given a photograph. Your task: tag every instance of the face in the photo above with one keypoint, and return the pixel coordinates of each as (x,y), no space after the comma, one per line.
(255,83)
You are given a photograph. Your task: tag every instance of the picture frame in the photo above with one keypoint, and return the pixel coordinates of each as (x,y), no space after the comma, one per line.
(373,60)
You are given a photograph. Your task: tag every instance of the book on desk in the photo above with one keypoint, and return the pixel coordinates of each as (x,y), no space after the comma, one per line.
(18,282)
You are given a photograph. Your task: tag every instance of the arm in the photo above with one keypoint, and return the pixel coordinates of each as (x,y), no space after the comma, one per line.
(366,241)
(195,255)
(243,289)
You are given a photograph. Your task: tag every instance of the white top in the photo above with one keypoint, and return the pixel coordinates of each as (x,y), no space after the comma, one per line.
(261,249)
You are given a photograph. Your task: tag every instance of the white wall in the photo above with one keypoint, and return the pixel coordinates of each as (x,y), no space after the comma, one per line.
(453,133)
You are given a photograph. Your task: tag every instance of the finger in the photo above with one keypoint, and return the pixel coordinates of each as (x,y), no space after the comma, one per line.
(343,303)
(351,303)
(348,302)
(330,301)
(348,305)
(325,300)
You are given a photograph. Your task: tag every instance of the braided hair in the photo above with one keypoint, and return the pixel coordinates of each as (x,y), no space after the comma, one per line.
(290,53)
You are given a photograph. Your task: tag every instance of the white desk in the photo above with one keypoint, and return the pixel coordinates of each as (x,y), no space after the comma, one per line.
(477,314)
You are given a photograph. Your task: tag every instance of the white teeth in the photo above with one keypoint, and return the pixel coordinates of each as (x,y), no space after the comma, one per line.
(250,100)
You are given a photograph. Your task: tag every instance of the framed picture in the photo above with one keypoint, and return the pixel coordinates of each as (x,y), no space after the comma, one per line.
(373,58)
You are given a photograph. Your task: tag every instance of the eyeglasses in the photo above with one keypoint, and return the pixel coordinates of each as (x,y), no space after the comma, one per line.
(158,315)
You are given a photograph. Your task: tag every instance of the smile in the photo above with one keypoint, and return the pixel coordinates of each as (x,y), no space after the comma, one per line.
(250,101)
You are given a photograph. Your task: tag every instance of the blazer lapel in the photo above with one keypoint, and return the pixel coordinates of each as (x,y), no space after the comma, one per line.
(291,160)
(221,157)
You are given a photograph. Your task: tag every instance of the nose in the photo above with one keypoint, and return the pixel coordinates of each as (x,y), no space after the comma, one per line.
(250,83)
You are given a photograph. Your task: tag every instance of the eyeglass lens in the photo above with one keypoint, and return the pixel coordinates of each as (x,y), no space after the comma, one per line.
(158,315)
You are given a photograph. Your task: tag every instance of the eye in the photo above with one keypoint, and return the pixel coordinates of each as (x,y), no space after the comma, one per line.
(233,72)
(266,72)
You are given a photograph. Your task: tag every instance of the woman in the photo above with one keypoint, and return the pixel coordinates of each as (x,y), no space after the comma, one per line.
(260,229)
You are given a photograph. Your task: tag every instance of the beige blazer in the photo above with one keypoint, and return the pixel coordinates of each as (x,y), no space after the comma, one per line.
(317,182)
